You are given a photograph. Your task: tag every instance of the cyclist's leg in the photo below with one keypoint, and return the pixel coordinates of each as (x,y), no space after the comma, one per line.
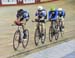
(51,23)
(39,25)
(57,23)
(62,24)
(51,27)
(24,26)
(62,21)
(43,26)
(25,21)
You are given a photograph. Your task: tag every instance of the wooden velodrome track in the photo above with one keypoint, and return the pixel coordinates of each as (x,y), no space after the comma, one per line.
(7,16)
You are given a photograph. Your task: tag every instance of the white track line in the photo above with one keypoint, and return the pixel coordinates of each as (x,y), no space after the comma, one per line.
(57,51)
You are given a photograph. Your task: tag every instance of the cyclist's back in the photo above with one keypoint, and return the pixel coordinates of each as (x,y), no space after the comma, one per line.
(52,15)
(22,14)
(61,12)
(41,14)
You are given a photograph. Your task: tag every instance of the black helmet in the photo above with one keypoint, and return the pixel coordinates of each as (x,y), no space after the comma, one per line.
(20,10)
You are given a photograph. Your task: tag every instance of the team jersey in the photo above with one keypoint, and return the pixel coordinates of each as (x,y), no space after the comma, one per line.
(61,14)
(23,14)
(41,14)
(53,16)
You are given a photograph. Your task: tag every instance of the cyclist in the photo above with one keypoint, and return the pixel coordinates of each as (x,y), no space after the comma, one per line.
(41,16)
(52,16)
(22,17)
(61,16)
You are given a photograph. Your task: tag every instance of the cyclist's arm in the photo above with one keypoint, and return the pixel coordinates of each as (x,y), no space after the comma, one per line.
(44,14)
(63,13)
(49,15)
(26,16)
(36,16)
(18,18)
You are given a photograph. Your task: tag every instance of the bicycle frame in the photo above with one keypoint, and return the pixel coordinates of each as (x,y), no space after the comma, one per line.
(18,29)
(20,38)
(38,27)
(21,27)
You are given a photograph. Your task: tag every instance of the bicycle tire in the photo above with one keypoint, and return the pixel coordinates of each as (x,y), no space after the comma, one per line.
(36,37)
(43,39)
(14,38)
(56,35)
(50,34)
(25,42)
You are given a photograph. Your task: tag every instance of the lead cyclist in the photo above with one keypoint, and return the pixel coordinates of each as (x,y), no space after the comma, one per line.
(22,17)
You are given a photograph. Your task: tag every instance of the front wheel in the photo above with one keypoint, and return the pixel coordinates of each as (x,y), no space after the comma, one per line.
(50,34)
(26,39)
(16,39)
(36,37)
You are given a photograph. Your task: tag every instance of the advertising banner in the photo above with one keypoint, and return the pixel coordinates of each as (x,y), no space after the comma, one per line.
(28,1)
(9,1)
(44,0)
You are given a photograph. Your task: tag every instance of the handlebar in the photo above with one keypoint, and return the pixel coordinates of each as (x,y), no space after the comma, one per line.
(18,24)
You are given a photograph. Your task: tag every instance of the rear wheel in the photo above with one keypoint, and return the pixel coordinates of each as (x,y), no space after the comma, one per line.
(36,37)
(26,39)
(43,37)
(56,34)
(16,39)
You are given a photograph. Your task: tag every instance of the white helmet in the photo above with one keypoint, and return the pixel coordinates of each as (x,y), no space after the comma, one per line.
(60,9)
(40,7)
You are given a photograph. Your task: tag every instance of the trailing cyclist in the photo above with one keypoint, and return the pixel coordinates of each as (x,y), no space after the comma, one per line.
(22,18)
(61,16)
(41,16)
